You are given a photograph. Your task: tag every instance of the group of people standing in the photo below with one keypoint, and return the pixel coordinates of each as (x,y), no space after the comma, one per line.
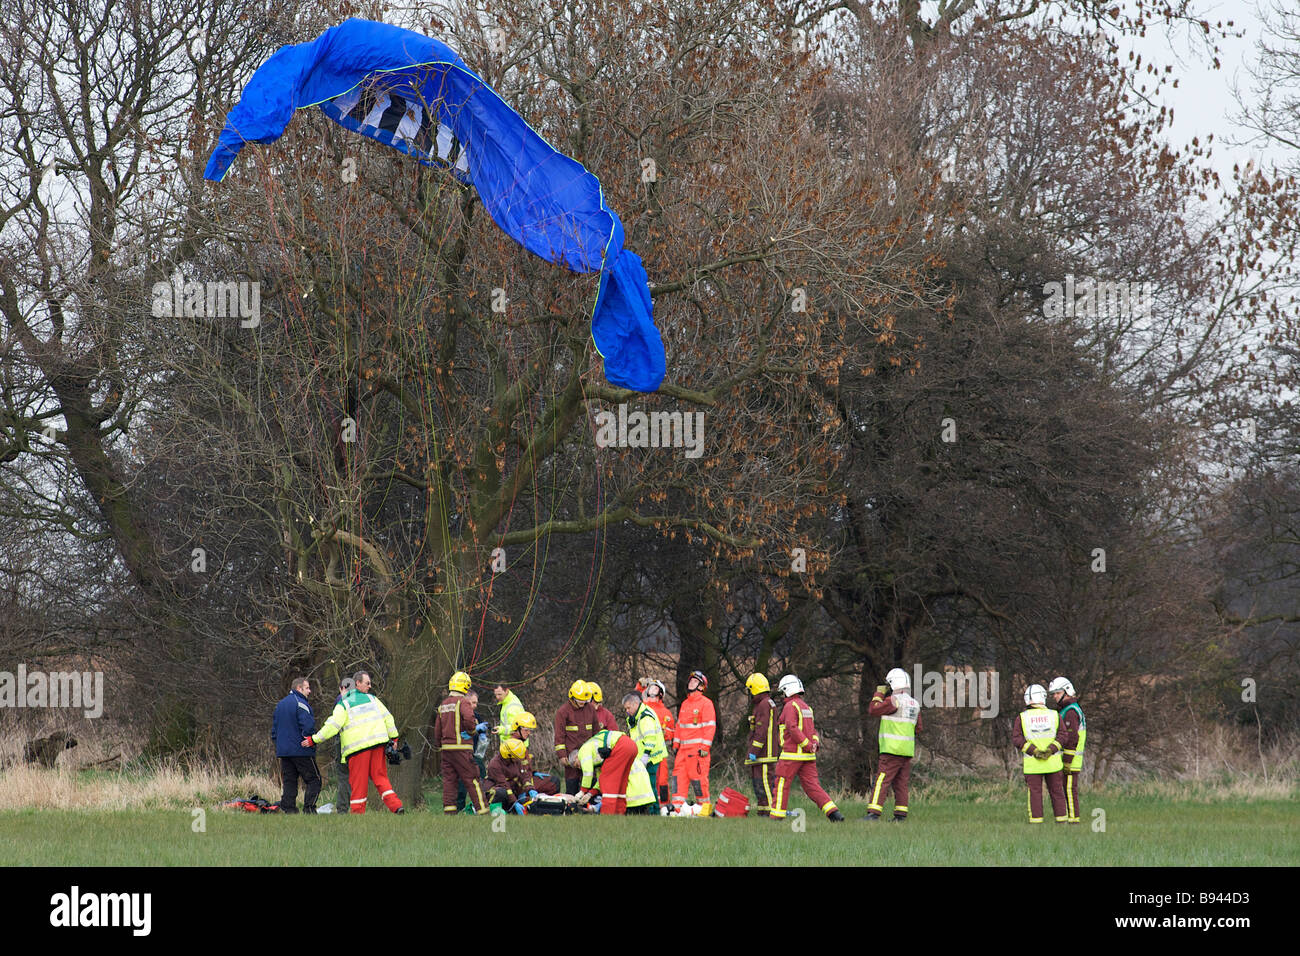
(623,764)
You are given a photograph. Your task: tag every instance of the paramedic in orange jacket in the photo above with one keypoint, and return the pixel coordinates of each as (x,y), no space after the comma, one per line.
(697,721)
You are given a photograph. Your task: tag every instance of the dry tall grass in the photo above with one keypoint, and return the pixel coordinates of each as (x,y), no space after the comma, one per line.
(160,787)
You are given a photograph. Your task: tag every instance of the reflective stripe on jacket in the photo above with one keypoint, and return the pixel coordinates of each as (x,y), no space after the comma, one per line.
(764,742)
(797,721)
(639,790)
(697,722)
(1074,758)
(455,717)
(589,759)
(1040,725)
(898,730)
(647,734)
(509,707)
(665,720)
(361,721)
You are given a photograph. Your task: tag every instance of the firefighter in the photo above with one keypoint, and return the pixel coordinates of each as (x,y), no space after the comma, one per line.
(510,705)
(509,777)
(575,724)
(764,741)
(653,690)
(696,724)
(1039,733)
(900,719)
(799,746)
(604,716)
(1076,733)
(646,732)
(622,781)
(454,733)
(522,726)
(364,727)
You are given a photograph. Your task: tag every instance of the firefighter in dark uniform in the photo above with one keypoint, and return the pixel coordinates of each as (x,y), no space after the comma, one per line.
(764,742)
(1076,733)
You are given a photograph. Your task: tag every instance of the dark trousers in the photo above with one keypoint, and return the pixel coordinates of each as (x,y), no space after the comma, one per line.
(764,784)
(458,768)
(893,772)
(344,787)
(1055,789)
(1072,795)
(291,770)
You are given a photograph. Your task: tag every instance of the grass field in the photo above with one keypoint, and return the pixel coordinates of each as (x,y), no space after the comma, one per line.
(1154,826)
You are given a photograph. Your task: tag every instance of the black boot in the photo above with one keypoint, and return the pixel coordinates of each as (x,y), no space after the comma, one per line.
(835,816)
(309,808)
(872,816)
(899,819)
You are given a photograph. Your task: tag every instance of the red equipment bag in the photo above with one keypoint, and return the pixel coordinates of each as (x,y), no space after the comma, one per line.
(731,803)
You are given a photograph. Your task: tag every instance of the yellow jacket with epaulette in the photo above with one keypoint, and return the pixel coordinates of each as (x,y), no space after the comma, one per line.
(361,721)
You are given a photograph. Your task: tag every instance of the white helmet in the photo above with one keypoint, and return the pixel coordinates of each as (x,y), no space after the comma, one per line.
(790,685)
(1035,694)
(1060,683)
(897,679)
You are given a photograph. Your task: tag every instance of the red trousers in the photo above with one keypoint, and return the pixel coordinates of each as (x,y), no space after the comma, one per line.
(458,766)
(806,771)
(1055,787)
(690,766)
(366,766)
(894,771)
(613,776)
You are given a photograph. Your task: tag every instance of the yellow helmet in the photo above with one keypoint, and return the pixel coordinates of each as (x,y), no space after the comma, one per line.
(757,684)
(596,693)
(523,719)
(580,690)
(459,682)
(513,749)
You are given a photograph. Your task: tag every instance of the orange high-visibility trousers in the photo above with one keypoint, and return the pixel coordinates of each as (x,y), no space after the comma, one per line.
(365,766)
(688,767)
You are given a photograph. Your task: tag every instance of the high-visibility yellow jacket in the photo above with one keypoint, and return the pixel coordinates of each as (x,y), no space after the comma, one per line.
(898,730)
(1073,759)
(509,707)
(639,790)
(648,735)
(589,759)
(361,721)
(1039,726)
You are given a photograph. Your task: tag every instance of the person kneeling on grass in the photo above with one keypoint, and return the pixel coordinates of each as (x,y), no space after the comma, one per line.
(621,780)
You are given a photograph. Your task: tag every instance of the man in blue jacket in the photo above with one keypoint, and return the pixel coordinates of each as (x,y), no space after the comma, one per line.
(292,722)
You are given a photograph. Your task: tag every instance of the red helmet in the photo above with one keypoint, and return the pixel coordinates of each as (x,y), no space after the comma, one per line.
(699,676)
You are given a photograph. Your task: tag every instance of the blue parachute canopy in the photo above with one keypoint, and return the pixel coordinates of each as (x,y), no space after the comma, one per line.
(416,95)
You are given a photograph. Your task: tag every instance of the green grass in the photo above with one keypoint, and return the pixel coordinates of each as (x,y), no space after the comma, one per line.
(980,826)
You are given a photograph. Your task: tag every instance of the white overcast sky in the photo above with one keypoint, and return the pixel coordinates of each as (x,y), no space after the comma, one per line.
(1203,103)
